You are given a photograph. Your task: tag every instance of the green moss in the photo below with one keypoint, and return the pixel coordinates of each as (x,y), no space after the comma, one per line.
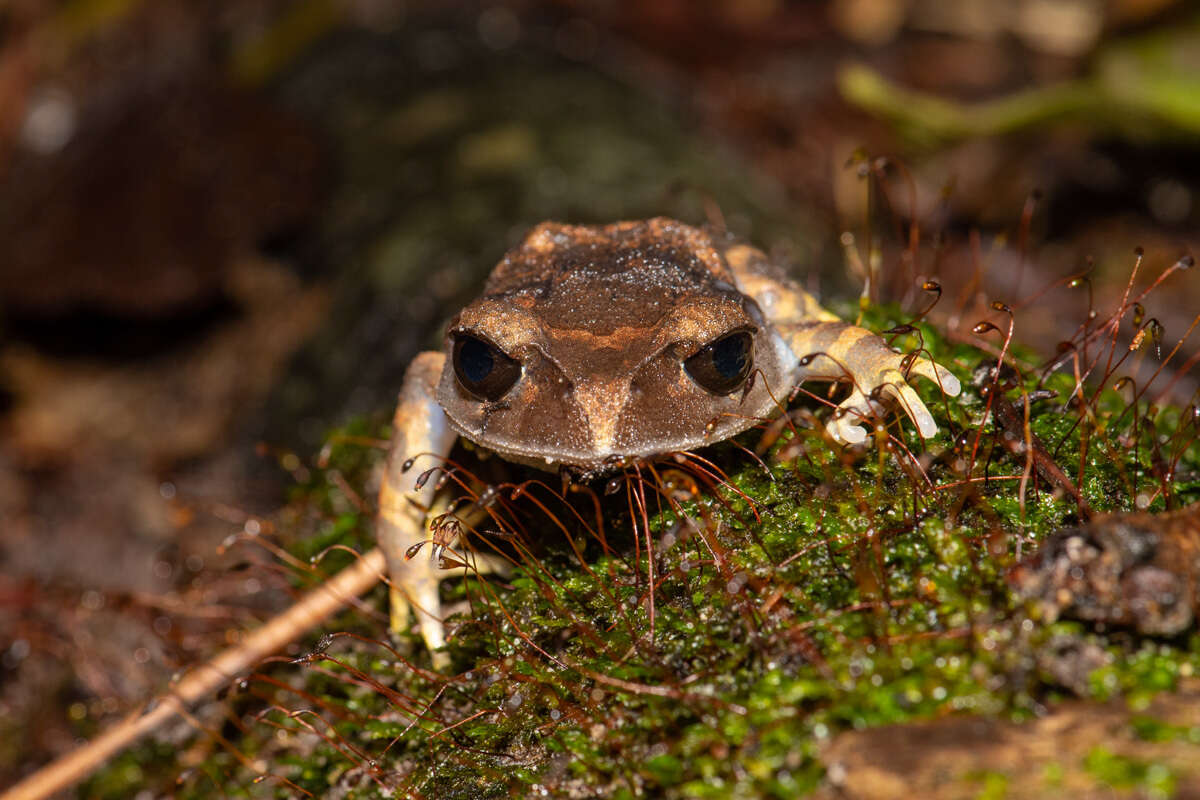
(836,591)
(1121,772)
(995,786)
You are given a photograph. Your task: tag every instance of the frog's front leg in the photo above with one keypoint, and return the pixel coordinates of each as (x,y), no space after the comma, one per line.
(823,347)
(421,439)
(835,350)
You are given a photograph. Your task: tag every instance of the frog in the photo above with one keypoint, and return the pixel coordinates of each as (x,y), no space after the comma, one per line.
(593,347)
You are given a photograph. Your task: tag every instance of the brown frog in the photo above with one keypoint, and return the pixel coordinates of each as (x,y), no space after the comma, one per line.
(592,346)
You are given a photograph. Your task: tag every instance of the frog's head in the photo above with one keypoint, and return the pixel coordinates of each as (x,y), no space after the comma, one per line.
(594,343)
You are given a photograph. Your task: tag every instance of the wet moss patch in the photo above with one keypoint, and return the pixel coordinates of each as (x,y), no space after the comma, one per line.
(798,595)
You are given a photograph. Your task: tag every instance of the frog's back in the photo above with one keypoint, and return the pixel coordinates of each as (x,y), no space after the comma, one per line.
(606,277)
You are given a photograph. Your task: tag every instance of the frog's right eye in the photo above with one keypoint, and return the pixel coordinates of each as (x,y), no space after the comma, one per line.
(721,366)
(483,369)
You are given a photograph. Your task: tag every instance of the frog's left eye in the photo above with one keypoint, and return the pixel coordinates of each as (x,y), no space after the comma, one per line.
(721,366)
(483,369)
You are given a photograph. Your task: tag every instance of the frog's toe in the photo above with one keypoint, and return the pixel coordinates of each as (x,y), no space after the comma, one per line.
(847,423)
(943,377)
(916,410)
(910,401)
(414,586)
(847,432)
(399,611)
(852,419)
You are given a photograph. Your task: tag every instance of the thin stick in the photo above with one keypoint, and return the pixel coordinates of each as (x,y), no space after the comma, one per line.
(204,680)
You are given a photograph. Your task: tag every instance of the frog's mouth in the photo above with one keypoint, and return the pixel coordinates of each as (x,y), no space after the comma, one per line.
(543,442)
(606,405)
(583,466)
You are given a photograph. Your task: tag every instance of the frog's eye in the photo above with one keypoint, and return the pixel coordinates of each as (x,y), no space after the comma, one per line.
(721,366)
(482,368)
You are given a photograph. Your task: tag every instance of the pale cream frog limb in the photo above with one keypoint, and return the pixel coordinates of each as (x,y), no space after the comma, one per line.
(421,438)
(595,344)
(836,350)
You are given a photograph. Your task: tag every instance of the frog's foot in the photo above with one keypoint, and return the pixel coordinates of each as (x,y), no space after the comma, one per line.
(414,587)
(846,423)
(417,570)
(414,590)
(839,351)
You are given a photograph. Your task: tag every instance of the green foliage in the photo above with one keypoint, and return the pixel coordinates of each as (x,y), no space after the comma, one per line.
(1121,772)
(1143,89)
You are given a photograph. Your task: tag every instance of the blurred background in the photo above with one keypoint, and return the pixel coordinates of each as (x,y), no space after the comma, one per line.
(223,232)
